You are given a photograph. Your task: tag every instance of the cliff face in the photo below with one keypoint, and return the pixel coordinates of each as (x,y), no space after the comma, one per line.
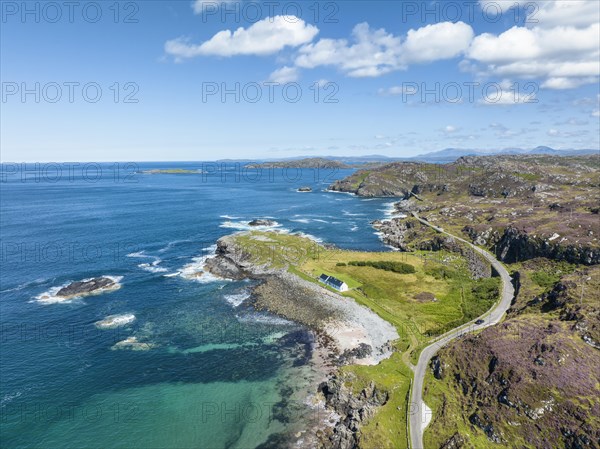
(529,382)
(513,245)
(516,245)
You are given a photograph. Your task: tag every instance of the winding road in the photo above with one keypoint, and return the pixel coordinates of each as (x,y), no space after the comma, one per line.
(493,316)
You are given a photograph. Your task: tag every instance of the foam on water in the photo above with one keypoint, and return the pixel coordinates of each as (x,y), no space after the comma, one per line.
(350,214)
(263,318)
(244,226)
(152,267)
(133,344)
(390,211)
(112,321)
(335,191)
(172,244)
(195,271)
(237,299)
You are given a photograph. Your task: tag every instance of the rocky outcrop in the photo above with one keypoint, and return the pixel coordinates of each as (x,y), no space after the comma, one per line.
(262,222)
(353,410)
(304,189)
(87,287)
(437,367)
(517,245)
(456,441)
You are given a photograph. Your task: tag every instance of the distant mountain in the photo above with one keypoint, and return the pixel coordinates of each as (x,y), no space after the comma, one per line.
(441,156)
(451,154)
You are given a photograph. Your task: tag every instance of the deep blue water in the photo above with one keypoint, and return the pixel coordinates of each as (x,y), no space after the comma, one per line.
(211,364)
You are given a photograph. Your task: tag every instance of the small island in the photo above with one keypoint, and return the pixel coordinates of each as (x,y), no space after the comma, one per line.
(315,163)
(305,189)
(172,171)
(88,287)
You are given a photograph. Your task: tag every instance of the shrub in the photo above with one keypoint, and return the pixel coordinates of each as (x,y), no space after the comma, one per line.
(340,264)
(396,267)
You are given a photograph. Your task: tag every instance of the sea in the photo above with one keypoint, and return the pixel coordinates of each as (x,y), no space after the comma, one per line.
(182,361)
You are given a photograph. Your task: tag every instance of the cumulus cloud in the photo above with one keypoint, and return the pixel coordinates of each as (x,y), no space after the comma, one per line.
(443,40)
(565,57)
(559,83)
(376,52)
(577,13)
(265,37)
(373,53)
(284,75)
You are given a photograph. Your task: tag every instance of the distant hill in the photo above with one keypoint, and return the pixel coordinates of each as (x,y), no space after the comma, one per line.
(452,154)
(315,162)
(442,156)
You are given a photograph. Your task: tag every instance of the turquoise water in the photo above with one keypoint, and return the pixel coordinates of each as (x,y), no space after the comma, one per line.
(214,374)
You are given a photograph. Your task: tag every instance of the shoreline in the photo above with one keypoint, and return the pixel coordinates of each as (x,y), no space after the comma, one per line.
(345,333)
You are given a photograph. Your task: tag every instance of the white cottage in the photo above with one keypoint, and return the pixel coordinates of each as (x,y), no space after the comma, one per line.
(333,282)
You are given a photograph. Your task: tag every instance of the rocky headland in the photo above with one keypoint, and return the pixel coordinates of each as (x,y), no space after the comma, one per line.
(345,333)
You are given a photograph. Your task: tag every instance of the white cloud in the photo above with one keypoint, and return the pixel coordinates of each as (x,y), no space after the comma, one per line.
(265,37)
(201,6)
(443,40)
(547,13)
(392,91)
(376,52)
(522,44)
(284,75)
(596,113)
(577,13)
(449,129)
(564,57)
(559,83)
(553,132)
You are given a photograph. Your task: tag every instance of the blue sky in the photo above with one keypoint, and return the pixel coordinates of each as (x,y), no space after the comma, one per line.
(162,66)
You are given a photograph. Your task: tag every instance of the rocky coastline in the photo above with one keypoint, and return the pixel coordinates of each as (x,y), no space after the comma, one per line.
(344,333)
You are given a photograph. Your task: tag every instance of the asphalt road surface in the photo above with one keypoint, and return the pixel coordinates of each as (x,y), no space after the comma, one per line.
(490,318)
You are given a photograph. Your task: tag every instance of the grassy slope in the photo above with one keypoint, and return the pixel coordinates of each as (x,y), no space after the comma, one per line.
(391,296)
